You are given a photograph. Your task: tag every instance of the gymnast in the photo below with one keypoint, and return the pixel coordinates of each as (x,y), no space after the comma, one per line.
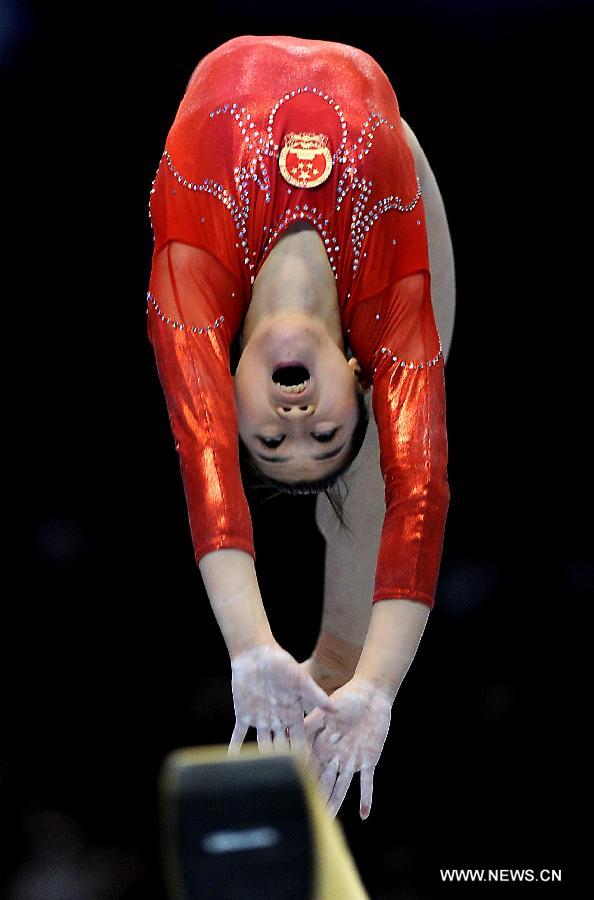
(296,218)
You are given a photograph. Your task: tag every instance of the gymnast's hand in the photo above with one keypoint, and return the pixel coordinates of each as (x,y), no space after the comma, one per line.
(348,741)
(270,692)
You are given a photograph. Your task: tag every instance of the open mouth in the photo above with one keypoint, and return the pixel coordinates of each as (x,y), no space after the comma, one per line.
(292,378)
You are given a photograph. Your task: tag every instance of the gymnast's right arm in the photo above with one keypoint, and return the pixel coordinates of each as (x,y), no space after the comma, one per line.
(191,328)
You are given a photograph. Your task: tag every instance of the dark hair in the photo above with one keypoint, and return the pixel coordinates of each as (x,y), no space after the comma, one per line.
(254,479)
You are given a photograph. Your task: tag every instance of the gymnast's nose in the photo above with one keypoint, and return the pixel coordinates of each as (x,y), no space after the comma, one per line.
(294,412)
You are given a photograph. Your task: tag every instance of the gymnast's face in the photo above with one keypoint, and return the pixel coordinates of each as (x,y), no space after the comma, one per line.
(296,398)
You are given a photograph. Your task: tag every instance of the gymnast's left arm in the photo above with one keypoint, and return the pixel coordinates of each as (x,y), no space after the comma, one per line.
(351,555)
(409,408)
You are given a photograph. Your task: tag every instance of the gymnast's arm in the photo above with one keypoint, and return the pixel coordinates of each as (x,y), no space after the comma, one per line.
(230,579)
(191,339)
(441,252)
(409,408)
(351,556)
(193,370)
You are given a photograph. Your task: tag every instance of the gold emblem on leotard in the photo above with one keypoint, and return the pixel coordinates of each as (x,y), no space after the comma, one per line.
(305,160)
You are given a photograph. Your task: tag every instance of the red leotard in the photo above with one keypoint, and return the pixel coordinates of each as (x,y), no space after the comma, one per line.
(218,205)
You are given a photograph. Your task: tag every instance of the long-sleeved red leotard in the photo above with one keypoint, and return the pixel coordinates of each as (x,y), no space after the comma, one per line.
(220,201)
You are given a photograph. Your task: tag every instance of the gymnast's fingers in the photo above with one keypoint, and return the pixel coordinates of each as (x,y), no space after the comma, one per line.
(237,738)
(340,788)
(297,736)
(263,738)
(280,739)
(328,778)
(314,695)
(366,777)
(313,723)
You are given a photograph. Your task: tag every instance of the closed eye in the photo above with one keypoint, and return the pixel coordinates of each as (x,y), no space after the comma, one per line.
(271,443)
(325,438)
(274,443)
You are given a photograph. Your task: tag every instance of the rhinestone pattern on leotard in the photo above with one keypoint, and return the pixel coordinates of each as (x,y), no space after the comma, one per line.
(262,144)
(174,324)
(257,171)
(385,351)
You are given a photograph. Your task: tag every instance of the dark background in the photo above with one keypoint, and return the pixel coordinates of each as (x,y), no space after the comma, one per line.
(111,655)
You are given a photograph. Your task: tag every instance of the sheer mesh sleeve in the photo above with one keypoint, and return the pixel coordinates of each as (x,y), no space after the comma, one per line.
(193,316)
(409,408)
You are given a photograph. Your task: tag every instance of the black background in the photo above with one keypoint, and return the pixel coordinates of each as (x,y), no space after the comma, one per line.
(112,656)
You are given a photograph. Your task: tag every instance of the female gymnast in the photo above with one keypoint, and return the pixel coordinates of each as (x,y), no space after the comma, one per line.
(289,221)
